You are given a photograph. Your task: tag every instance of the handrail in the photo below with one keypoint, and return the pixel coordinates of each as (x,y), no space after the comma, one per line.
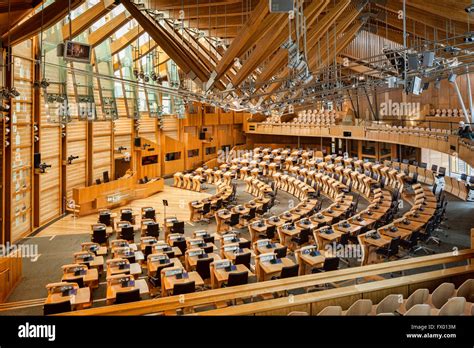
(249,290)
(352,290)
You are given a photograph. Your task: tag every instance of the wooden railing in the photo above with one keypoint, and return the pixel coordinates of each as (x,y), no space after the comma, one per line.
(10,273)
(449,144)
(313,302)
(210,297)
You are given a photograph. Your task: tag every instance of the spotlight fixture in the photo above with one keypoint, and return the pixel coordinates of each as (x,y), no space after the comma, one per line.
(469,37)
(470,8)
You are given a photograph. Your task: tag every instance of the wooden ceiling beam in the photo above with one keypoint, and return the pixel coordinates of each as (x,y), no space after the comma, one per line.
(176,53)
(32,26)
(275,37)
(122,42)
(244,36)
(314,35)
(104,32)
(86,19)
(18,6)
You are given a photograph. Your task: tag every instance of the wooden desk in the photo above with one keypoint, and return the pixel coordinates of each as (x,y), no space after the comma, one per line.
(112,290)
(231,255)
(154,265)
(321,219)
(351,229)
(288,217)
(263,249)
(134,270)
(277,223)
(240,209)
(91,278)
(402,233)
(97,262)
(309,261)
(411,226)
(168,283)
(192,260)
(333,213)
(269,269)
(423,218)
(378,243)
(220,275)
(81,300)
(363,223)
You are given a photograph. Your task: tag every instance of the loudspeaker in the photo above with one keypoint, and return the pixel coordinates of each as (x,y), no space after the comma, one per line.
(412,61)
(452,77)
(138,142)
(37,159)
(105,176)
(202,136)
(428,59)
(97,181)
(414,85)
(347,134)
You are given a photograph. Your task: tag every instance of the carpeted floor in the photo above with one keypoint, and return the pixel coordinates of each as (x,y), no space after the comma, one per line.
(58,250)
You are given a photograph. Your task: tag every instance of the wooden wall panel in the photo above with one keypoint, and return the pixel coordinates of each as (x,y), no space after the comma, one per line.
(147,128)
(101,149)
(21,135)
(172,145)
(123,133)
(76,173)
(192,142)
(49,182)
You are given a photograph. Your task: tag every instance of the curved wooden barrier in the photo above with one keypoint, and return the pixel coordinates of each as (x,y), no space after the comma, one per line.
(210,297)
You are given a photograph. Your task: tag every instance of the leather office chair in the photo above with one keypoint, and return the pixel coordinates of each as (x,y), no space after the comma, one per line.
(184,288)
(203,268)
(243,259)
(178,227)
(238,278)
(78,280)
(391,250)
(153,230)
(100,236)
(127,296)
(127,233)
(281,252)
(58,307)
(245,245)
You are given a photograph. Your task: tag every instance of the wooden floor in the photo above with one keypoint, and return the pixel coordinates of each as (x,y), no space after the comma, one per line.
(178,206)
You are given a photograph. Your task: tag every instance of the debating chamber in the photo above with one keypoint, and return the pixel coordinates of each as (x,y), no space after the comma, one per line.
(248,158)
